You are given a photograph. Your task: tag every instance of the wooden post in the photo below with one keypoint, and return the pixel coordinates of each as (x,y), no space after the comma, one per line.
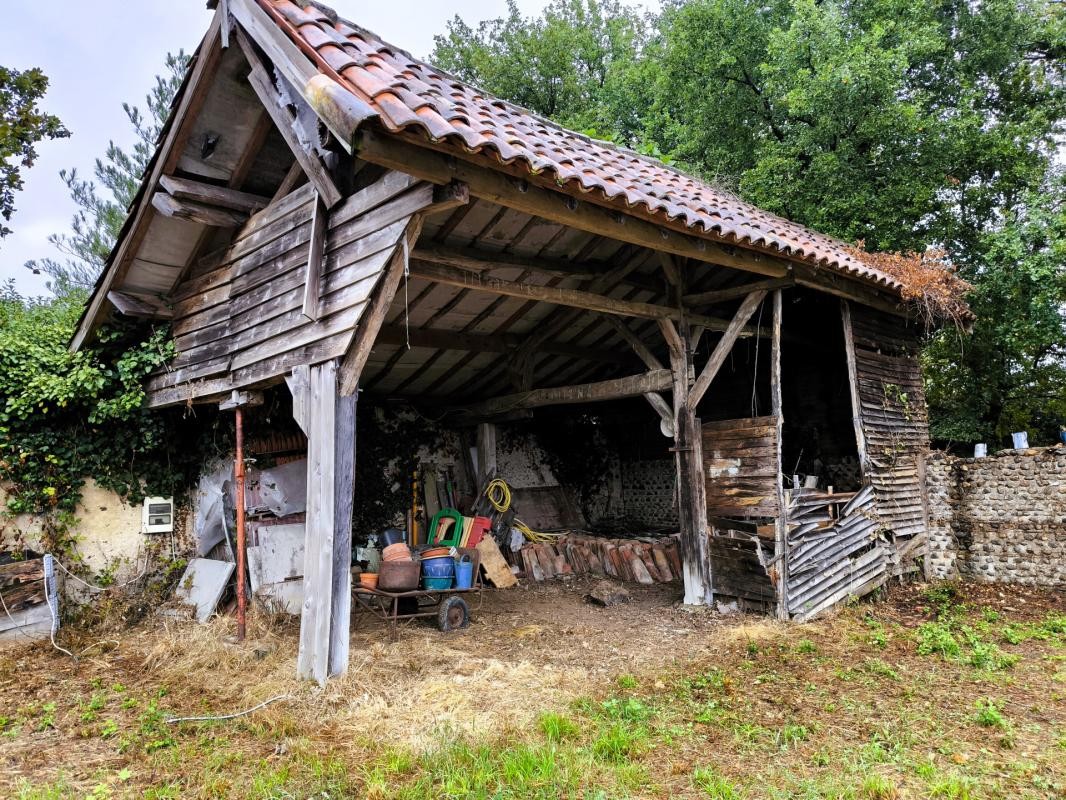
(343,502)
(781,526)
(691,486)
(486,452)
(328,419)
(853,386)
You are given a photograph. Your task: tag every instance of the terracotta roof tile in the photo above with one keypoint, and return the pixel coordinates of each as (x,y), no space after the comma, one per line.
(409,94)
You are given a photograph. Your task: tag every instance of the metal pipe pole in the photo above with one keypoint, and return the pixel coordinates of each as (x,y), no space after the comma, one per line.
(238,471)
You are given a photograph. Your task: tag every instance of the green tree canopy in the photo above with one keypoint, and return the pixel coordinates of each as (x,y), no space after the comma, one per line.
(904,125)
(22,126)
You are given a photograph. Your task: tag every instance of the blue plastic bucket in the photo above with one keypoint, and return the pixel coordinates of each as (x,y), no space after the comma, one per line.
(464,573)
(442,567)
(437,584)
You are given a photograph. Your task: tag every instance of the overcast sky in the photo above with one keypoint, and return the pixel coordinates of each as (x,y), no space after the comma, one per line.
(99,54)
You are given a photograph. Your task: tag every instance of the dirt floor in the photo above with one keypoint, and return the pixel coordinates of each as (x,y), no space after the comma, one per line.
(740,704)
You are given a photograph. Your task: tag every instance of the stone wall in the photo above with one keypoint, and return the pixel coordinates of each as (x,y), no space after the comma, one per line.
(649,492)
(1000,518)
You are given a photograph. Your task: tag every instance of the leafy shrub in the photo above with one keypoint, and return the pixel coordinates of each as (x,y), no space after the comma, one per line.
(65,417)
(936,638)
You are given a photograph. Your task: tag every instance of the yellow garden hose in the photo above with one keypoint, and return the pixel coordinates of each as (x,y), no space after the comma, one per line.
(499,495)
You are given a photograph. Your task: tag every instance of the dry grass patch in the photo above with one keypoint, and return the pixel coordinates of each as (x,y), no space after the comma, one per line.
(547,697)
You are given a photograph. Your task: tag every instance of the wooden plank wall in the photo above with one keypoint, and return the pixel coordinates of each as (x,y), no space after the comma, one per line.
(740,464)
(240,320)
(895,427)
(833,554)
(738,567)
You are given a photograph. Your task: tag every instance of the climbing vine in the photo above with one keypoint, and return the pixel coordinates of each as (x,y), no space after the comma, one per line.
(66,417)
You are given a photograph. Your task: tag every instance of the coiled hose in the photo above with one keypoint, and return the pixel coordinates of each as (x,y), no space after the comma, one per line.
(499,495)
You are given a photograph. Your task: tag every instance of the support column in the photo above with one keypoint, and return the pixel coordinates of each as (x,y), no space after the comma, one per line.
(328,419)
(486,453)
(781,524)
(691,485)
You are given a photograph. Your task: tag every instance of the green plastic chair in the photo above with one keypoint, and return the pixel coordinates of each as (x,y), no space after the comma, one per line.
(454,536)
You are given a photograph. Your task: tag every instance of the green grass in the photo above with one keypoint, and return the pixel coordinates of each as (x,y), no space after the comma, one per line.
(856,708)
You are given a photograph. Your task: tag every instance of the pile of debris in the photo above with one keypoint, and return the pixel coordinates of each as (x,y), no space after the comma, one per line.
(646,560)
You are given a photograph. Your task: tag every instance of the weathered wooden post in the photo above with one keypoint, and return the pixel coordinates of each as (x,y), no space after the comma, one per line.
(688,450)
(328,419)
(781,523)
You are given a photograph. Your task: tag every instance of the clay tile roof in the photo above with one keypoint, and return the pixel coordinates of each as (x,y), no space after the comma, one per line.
(408,94)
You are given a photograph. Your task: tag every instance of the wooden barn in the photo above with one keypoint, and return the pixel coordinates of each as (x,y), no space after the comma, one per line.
(326,211)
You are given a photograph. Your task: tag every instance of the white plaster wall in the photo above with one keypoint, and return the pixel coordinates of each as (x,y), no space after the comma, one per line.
(107,529)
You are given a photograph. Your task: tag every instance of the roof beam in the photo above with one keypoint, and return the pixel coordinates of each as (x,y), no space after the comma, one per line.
(574,298)
(263,84)
(632,386)
(733,292)
(440,339)
(490,184)
(211,195)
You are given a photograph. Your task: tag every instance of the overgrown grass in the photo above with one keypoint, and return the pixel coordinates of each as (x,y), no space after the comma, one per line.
(858,708)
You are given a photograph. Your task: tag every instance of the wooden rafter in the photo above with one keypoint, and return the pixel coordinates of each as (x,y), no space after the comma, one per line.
(574,298)
(422,160)
(263,84)
(725,344)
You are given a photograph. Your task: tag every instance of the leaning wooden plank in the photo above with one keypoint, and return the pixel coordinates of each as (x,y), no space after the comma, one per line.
(209,194)
(367,332)
(200,213)
(263,85)
(496,568)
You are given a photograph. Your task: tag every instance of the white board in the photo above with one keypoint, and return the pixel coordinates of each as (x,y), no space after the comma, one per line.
(202,585)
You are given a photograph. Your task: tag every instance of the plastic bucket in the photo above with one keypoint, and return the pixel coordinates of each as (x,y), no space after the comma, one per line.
(436,584)
(443,567)
(1021,440)
(464,573)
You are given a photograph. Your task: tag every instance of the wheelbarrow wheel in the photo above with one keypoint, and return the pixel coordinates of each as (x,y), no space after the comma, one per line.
(453,614)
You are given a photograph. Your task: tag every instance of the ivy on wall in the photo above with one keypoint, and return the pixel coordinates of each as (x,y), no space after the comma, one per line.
(66,417)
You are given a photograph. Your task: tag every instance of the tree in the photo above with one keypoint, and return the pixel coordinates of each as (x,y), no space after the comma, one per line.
(578,64)
(96,225)
(1010,373)
(909,126)
(22,126)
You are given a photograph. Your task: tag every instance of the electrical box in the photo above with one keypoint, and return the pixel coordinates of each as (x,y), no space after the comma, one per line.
(157,515)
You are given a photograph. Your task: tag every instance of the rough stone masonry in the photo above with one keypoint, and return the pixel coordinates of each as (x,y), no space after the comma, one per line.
(1000,518)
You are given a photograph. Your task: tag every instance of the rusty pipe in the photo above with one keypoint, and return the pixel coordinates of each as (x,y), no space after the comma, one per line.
(238,472)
